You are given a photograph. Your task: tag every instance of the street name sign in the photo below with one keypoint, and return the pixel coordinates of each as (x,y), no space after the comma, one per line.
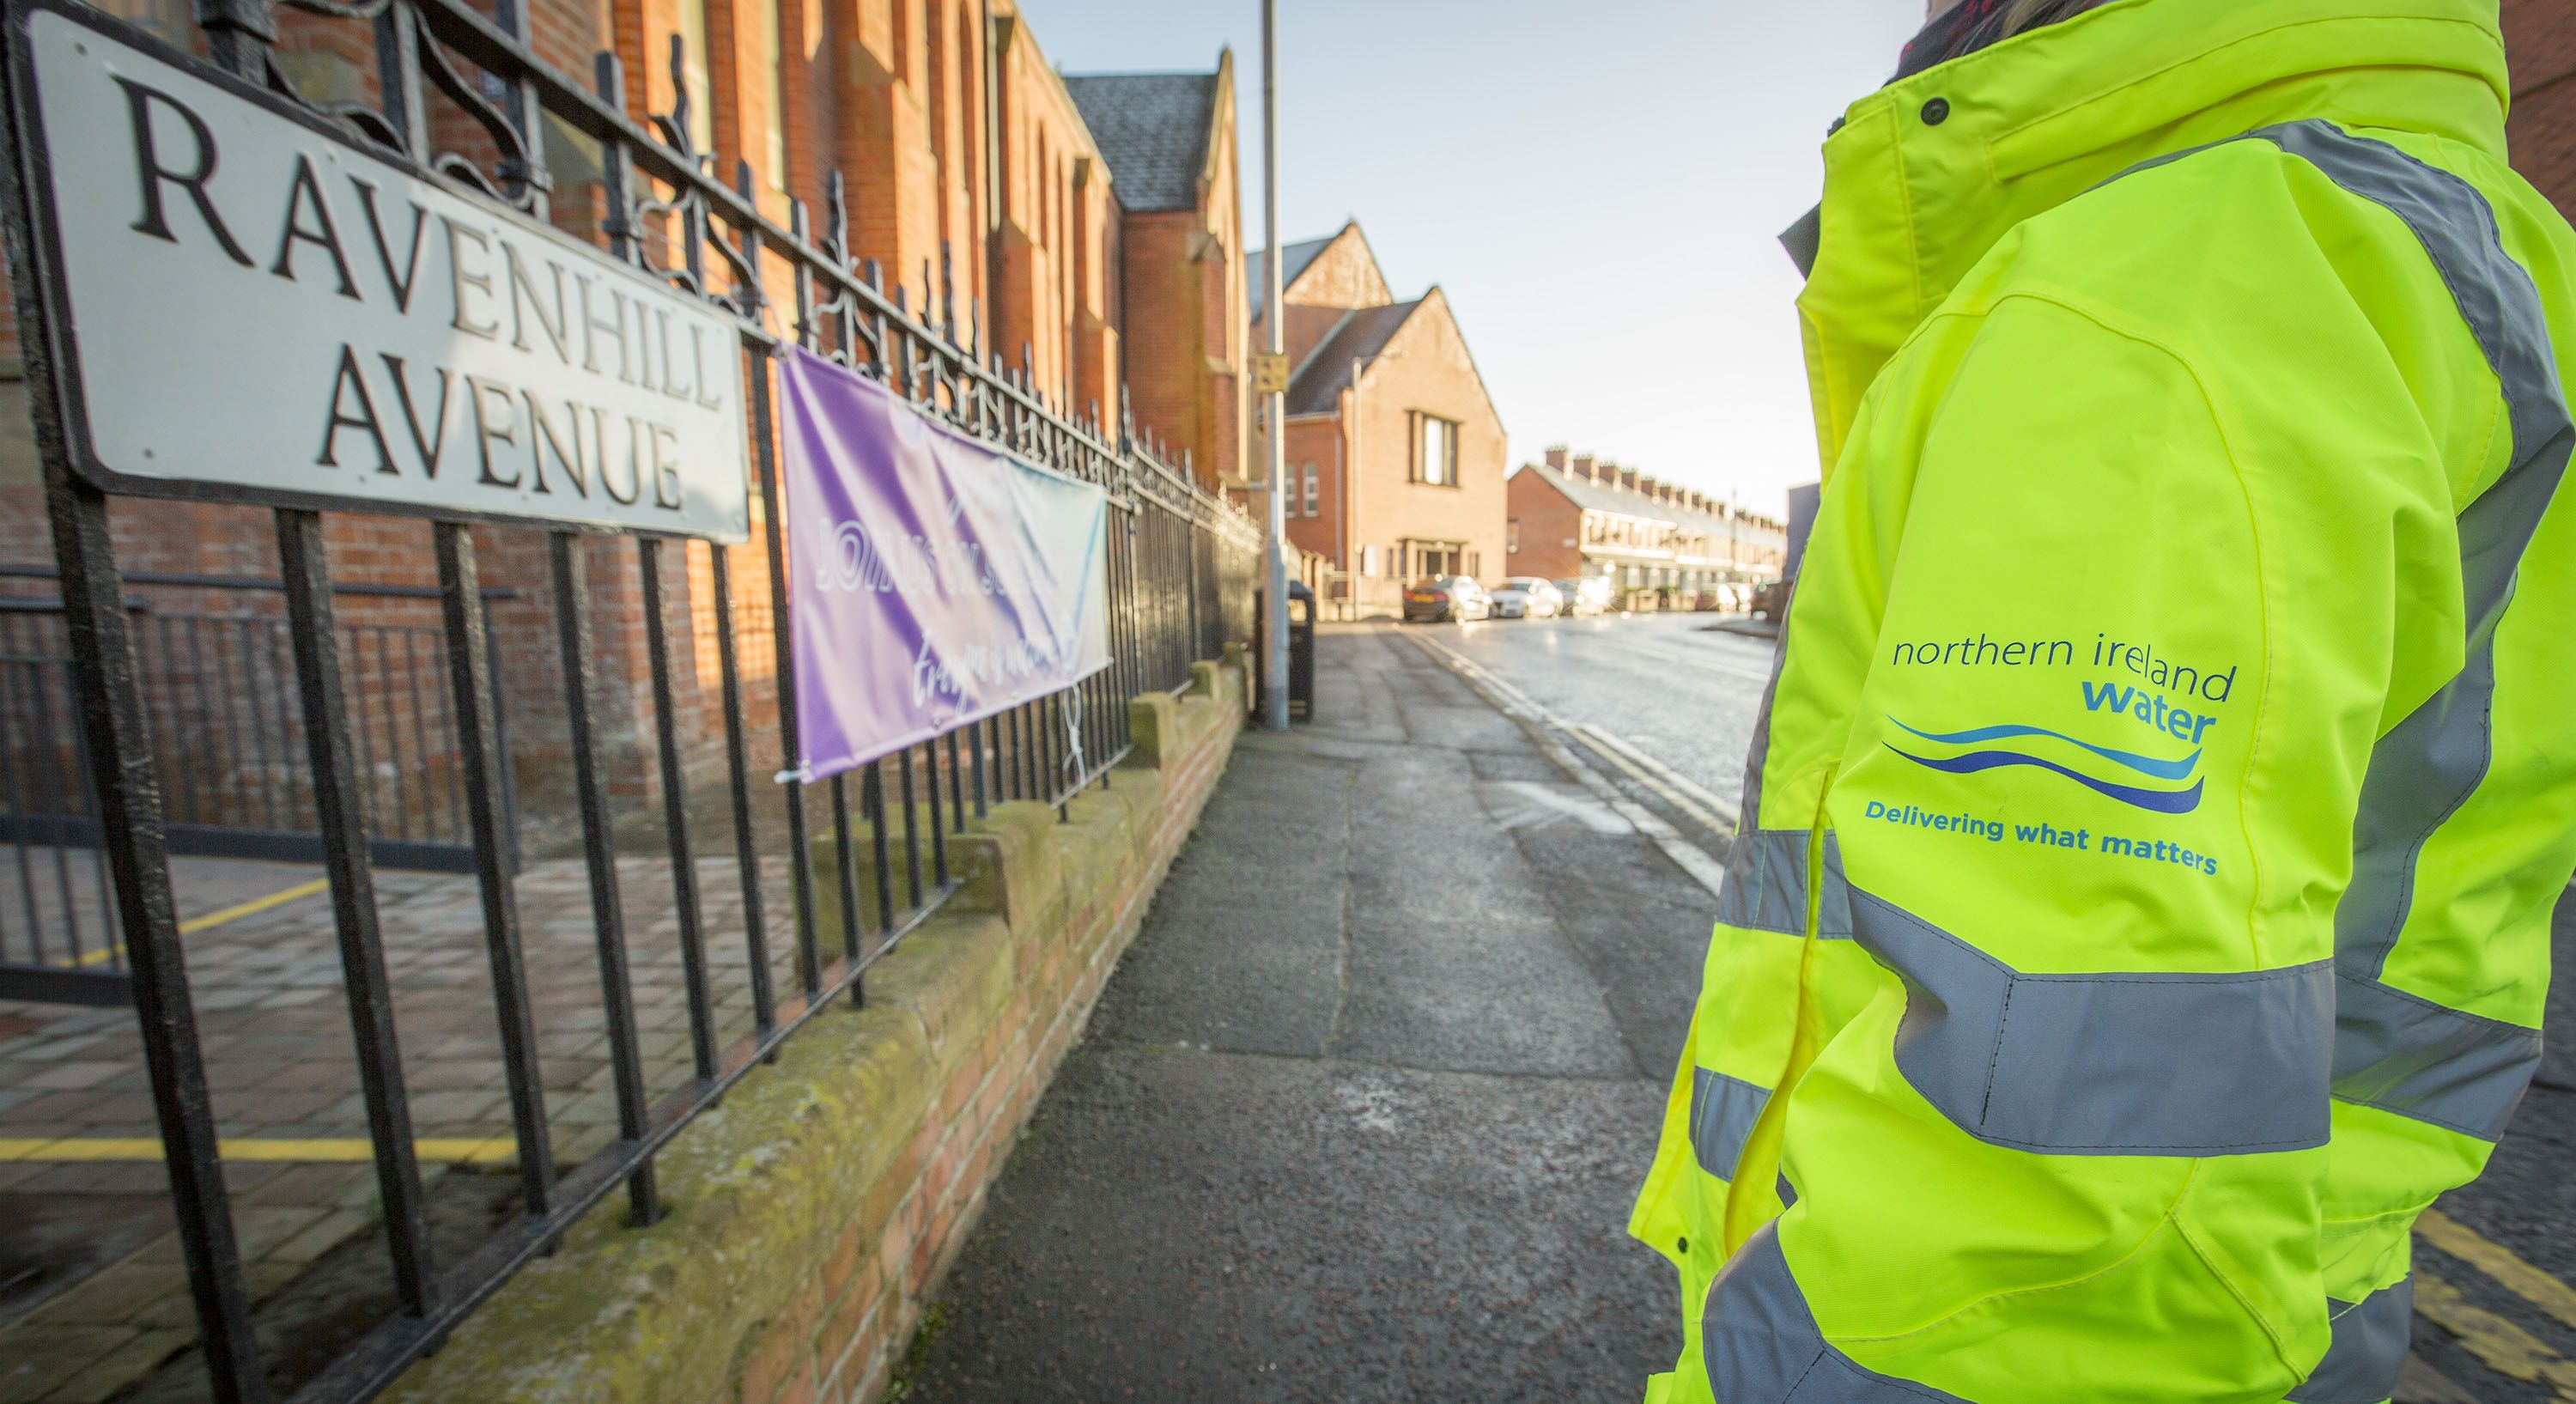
(245,304)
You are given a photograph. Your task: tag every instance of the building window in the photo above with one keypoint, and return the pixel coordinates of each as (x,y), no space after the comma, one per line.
(1435,450)
(1512,536)
(1368,561)
(763,15)
(693,75)
(1314,493)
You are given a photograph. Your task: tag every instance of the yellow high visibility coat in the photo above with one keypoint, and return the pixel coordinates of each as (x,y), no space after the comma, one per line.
(2141,908)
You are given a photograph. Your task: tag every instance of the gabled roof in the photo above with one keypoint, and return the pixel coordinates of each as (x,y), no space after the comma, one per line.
(1624,502)
(1362,334)
(1256,263)
(1152,129)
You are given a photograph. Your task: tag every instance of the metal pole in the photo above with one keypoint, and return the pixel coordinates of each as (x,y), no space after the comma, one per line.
(1274,702)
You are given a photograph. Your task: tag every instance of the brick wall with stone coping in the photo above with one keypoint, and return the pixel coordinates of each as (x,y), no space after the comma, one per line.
(812,1215)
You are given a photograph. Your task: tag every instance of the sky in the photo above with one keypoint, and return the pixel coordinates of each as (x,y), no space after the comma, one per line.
(1598,187)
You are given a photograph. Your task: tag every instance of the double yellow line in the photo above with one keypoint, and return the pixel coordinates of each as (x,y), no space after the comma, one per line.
(2497,1343)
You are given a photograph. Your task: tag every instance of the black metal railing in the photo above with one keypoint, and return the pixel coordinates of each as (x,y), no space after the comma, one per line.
(878,859)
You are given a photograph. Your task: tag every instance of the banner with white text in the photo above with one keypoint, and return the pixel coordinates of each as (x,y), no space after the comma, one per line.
(935,580)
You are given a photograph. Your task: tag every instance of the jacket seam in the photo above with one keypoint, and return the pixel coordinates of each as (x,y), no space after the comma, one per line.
(2258,758)
(2262,1321)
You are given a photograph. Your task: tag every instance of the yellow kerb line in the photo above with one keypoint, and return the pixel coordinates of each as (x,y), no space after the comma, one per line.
(2497,1261)
(458,1150)
(210,920)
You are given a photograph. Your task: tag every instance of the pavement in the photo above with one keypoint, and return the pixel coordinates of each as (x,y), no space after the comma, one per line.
(1361,1113)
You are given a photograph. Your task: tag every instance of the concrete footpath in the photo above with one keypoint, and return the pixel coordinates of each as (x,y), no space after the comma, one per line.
(1361,1113)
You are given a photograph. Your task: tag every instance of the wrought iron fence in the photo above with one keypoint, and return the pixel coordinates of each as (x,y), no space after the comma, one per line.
(859,876)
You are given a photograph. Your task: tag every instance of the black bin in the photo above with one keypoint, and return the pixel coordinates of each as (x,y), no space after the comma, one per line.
(1301,651)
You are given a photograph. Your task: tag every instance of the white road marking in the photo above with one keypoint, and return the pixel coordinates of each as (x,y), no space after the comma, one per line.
(1540,803)
(1703,867)
(1673,788)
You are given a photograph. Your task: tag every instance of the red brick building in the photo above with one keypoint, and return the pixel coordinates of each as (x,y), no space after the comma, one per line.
(1575,516)
(1395,454)
(973,181)
(1169,141)
(2540,46)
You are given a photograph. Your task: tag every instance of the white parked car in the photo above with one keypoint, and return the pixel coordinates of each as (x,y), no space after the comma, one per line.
(1527,597)
(1588,595)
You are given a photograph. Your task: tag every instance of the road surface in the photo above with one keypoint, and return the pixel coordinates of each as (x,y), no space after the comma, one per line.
(1664,708)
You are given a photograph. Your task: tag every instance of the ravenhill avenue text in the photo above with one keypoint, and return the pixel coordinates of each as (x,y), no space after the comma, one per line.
(406,344)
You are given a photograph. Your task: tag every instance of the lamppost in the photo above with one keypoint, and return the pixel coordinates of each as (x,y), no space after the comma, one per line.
(1274,702)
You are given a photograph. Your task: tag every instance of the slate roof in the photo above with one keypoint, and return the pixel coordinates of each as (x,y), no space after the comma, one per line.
(1299,255)
(1601,497)
(1362,334)
(1152,129)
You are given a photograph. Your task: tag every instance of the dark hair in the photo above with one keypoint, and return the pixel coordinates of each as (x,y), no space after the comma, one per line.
(2031,14)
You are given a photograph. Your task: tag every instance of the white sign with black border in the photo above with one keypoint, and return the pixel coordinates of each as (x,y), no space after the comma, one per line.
(246,305)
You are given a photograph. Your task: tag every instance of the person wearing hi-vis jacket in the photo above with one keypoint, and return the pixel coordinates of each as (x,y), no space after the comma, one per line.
(2140,911)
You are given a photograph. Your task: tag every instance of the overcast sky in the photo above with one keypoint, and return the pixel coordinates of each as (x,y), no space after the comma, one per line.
(1597,186)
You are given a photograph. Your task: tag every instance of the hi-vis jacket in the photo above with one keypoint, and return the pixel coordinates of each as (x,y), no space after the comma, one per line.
(2141,911)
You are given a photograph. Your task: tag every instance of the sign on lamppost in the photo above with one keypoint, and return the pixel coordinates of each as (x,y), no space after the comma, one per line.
(1269,373)
(246,304)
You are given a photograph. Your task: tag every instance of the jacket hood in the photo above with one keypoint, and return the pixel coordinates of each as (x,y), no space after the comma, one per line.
(1925,175)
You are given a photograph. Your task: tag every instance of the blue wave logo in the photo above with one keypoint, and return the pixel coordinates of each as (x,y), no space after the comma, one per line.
(2161,801)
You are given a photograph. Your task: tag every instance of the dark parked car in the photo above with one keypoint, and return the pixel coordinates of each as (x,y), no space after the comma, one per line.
(1771,601)
(1455,599)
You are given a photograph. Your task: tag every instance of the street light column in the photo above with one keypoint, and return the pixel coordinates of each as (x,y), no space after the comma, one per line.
(1274,701)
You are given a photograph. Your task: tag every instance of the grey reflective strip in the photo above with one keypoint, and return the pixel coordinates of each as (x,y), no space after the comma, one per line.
(1761,1344)
(2405,1054)
(2128,1063)
(1766,880)
(1766,884)
(1788,1191)
(2391,1046)
(2368,1349)
(1723,1110)
(2396,1051)
(2427,766)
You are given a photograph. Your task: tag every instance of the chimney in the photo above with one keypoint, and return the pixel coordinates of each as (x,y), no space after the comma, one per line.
(1628,479)
(1585,467)
(1648,486)
(1556,457)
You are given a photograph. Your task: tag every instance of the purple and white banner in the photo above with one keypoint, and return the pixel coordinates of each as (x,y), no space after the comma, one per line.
(935,580)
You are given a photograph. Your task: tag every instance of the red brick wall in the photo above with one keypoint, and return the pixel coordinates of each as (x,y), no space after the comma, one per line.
(2540,45)
(851,1321)
(1318,441)
(1550,529)
(1185,320)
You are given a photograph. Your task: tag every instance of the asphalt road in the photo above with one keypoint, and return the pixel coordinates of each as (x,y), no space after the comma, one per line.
(1669,684)
(2496,1319)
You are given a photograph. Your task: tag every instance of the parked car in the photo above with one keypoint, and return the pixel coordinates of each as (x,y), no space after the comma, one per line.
(1589,595)
(1730,596)
(1527,597)
(1771,599)
(1454,599)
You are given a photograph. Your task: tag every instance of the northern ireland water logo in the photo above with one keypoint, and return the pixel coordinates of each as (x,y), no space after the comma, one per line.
(2120,784)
